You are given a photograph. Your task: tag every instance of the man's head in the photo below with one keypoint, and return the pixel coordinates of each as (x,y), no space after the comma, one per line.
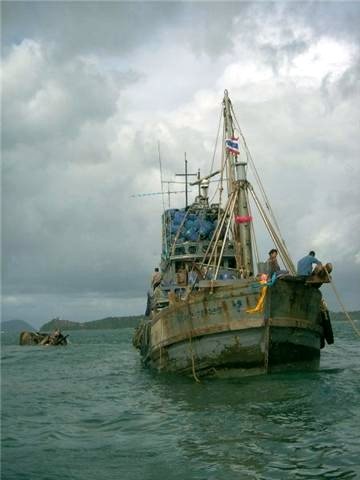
(312,253)
(156,269)
(273,252)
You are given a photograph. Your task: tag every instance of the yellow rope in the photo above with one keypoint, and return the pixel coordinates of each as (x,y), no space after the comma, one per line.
(260,305)
(352,323)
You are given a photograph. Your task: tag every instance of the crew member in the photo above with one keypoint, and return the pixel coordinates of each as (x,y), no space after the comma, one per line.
(305,264)
(156,278)
(272,265)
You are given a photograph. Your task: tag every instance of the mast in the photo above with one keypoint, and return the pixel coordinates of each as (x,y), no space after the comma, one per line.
(236,179)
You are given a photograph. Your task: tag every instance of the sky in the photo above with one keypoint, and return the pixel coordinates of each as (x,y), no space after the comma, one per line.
(89,90)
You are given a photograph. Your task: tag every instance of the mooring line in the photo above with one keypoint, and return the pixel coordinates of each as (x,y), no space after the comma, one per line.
(352,323)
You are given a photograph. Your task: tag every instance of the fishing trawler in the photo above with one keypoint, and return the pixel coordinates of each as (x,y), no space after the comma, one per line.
(214,309)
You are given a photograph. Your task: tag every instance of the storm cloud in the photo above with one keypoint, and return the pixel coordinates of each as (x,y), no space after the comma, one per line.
(90,88)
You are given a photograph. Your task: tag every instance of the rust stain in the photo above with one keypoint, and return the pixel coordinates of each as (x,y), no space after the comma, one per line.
(242,324)
(226,311)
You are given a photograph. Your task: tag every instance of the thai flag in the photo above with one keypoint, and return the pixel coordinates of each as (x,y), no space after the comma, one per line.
(232,145)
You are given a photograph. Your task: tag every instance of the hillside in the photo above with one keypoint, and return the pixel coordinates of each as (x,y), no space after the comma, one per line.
(102,324)
(15,326)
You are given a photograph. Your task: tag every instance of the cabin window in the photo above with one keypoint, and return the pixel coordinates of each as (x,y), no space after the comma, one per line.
(179,266)
(192,249)
(232,262)
(179,251)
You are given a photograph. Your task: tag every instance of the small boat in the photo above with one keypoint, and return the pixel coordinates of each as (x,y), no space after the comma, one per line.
(214,309)
(45,339)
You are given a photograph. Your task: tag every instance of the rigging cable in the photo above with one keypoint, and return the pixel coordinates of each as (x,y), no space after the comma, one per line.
(216,235)
(252,228)
(283,252)
(178,231)
(262,190)
(217,138)
(161,177)
(163,200)
(356,330)
(226,235)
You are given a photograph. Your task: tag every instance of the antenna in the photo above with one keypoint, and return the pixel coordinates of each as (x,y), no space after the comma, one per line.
(199,180)
(186,175)
(161,177)
(163,193)
(150,194)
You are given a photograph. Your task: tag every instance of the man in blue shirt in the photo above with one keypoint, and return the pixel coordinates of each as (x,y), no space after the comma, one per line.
(304,266)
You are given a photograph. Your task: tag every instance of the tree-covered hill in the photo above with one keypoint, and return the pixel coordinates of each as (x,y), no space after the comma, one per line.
(15,326)
(102,324)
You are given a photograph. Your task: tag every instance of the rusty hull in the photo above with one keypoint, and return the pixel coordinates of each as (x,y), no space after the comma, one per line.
(211,333)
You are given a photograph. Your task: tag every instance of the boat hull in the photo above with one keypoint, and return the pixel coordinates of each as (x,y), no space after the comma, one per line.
(213,333)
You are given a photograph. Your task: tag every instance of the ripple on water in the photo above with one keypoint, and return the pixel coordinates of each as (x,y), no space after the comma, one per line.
(91,411)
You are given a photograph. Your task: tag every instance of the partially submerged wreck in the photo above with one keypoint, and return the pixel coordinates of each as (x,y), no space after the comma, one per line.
(45,339)
(214,308)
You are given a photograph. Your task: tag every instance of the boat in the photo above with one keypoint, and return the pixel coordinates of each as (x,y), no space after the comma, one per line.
(214,309)
(45,339)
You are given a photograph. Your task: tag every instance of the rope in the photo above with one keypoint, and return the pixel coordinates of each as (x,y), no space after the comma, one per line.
(178,232)
(253,236)
(161,340)
(352,323)
(231,213)
(284,254)
(260,305)
(262,191)
(163,199)
(257,177)
(196,378)
(216,141)
(221,180)
(215,238)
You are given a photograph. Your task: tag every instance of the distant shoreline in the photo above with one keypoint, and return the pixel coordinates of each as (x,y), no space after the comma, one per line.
(132,321)
(110,323)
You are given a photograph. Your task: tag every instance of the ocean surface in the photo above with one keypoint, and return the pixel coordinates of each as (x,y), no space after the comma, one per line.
(90,411)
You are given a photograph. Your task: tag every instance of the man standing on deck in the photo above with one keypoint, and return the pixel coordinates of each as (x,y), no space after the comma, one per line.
(304,266)
(156,278)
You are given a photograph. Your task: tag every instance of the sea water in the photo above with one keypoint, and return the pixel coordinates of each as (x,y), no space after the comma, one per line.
(91,411)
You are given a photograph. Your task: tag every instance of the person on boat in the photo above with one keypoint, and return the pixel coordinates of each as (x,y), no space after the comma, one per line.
(156,278)
(272,265)
(193,277)
(305,264)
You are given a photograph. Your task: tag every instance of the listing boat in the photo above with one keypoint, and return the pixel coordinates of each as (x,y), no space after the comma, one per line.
(210,312)
(45,339)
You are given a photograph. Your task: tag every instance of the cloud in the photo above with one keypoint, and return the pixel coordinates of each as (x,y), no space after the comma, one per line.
(58,97)
(77,28)
(90,88)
